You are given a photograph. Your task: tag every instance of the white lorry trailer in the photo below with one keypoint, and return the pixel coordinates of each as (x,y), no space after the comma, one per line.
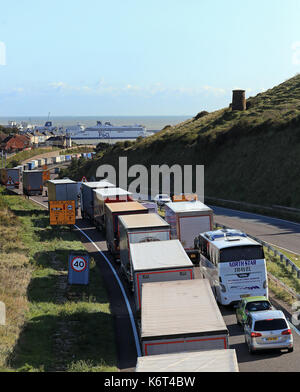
(159,261)
(219,361)
(139,228)
(187,220)
(112,212)
(103,196)
(87,199)
(181,316)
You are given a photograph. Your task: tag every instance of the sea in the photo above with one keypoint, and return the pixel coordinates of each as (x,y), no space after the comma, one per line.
(152,123)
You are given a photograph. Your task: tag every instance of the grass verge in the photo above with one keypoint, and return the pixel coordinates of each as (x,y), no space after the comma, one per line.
(22,156)
(77,150)
(285,275)
(59,327)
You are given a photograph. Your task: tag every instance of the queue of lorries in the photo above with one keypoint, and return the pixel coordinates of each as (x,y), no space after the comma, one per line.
(33,174)
(180,324)
(178,314)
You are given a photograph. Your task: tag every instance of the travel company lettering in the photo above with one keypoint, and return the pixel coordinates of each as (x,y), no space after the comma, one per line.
(244,263)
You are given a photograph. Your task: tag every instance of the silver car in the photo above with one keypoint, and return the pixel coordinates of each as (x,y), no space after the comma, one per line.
(268,329)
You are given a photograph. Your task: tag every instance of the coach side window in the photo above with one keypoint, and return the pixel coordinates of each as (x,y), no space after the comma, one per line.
(204,248)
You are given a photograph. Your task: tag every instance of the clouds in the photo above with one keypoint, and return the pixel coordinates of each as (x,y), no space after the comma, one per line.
(100,96)
(104,88)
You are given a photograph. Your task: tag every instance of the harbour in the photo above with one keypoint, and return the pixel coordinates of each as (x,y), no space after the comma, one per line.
(91,130)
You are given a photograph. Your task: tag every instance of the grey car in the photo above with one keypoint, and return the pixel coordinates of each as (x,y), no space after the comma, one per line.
(266,330)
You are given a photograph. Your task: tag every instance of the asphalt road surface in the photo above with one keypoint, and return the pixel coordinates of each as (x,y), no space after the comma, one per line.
(278,232)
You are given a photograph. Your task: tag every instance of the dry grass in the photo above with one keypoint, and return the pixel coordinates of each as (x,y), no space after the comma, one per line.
(15,274)
(50,326)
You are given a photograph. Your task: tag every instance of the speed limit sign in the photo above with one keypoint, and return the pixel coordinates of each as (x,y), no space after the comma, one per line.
(79,264)
(78,269)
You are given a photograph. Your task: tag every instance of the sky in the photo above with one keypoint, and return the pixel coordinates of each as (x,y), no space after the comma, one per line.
(138,57)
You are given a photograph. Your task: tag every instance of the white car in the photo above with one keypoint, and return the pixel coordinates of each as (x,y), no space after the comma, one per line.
(162,199)
(268,329)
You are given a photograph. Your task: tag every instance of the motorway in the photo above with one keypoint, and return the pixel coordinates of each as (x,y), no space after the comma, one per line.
(262,227)
(127,353)
(278,232)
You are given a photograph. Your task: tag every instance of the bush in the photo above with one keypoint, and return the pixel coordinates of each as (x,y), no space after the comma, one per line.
(200,115)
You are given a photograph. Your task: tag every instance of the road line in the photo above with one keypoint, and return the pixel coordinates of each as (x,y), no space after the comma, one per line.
(35,201)
(136,338)
(138,349)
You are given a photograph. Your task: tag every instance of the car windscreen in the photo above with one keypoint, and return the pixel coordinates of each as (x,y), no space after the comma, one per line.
(270,325)
(238,253)
(258,305)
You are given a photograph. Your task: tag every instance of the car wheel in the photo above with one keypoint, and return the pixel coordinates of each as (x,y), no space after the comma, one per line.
(290,350)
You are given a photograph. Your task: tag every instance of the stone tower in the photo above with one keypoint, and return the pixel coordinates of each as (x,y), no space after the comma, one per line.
(238,100)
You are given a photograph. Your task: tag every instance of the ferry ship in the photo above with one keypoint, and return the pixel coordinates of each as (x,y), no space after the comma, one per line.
(106,131)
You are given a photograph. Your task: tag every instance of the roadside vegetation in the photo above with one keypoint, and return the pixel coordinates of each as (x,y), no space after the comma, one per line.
(15,274)
(51,326)
(285,275)
(22,156)
(250,156)
(79,149)
(6,131)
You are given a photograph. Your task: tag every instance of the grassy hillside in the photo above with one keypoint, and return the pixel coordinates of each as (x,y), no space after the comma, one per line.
(251,156)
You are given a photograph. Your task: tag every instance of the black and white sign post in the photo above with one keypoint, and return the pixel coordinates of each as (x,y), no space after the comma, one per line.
(79,269)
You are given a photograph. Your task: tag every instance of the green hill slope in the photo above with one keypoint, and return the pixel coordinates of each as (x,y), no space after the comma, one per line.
(251,156)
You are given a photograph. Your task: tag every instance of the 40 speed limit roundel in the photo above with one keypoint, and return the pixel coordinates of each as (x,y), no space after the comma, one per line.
(79,264)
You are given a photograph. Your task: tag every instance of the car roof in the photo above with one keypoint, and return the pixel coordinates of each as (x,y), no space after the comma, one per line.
(258,298)
(188,206)
(267,314)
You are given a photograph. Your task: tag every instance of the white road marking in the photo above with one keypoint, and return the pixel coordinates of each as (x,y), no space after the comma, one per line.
(35,201)
(137,344)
